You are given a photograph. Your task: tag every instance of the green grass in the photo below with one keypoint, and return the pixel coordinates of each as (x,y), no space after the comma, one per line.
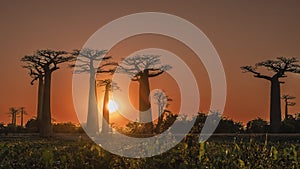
(237,153)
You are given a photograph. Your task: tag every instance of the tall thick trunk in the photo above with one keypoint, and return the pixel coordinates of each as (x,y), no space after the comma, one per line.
(275,108)
(105,119)
(92,124)
(144,102)
(286,110)
(46,127)
(40,101)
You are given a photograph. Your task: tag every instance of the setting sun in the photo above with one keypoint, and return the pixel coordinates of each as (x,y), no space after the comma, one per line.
(112,106)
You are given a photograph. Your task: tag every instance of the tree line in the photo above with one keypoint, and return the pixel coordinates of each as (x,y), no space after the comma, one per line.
(140,68)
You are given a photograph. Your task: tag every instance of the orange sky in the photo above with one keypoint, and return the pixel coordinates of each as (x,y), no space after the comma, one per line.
(242,32)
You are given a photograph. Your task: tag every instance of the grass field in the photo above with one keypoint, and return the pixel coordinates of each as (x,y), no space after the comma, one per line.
(227,151)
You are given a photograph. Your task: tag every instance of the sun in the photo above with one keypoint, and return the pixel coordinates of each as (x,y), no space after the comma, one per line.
(112,106)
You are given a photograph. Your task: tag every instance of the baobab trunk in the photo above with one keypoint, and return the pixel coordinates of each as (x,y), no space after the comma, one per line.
(105,119)
(46,127)
(275,108)
(286,110)
(92,124)
(22,113)
(15,119)
(40,101)
(144,102)
(22,120)
(160,118)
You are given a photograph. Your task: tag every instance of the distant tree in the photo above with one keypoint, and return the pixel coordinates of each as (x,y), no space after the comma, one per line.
(257,125)
(286,99)
(2,126)
(289,125)
(47,61)
(65,128)
(13,113)
(87,59)
(199,123)
(162,102)
(32,125)
(280,67)
(109,85)
(140,69)
(167,120)
(22,113)
(229,126)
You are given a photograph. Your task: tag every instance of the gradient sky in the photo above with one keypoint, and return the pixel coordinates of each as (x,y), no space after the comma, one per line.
(243,33)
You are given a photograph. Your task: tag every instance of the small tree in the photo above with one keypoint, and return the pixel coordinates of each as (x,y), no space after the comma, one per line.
(286,99)
(48,61)
(257,125)
(162,102)
(13,113)
(22,113)
(280,67)
(140,69)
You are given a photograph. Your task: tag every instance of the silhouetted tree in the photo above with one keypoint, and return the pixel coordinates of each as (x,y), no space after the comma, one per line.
(13,112)
(280,67)
(229,126)
(48,61)
(87,59)
(109,85)
(22,113)
(257,125)
(286,99)
(36,72)
(162,102)
(140,69)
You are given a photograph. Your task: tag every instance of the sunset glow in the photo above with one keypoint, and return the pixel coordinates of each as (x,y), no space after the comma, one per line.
(112,106)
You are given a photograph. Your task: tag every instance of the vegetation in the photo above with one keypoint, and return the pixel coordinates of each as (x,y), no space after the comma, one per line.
(235,152)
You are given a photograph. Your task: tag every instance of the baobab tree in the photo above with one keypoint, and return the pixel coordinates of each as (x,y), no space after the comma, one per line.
(13,113)
(87,59)
(162,102)
(280,67)
(22,113)
(36,73)
(140,68)
(108,85)
(48,61)
(286,99)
